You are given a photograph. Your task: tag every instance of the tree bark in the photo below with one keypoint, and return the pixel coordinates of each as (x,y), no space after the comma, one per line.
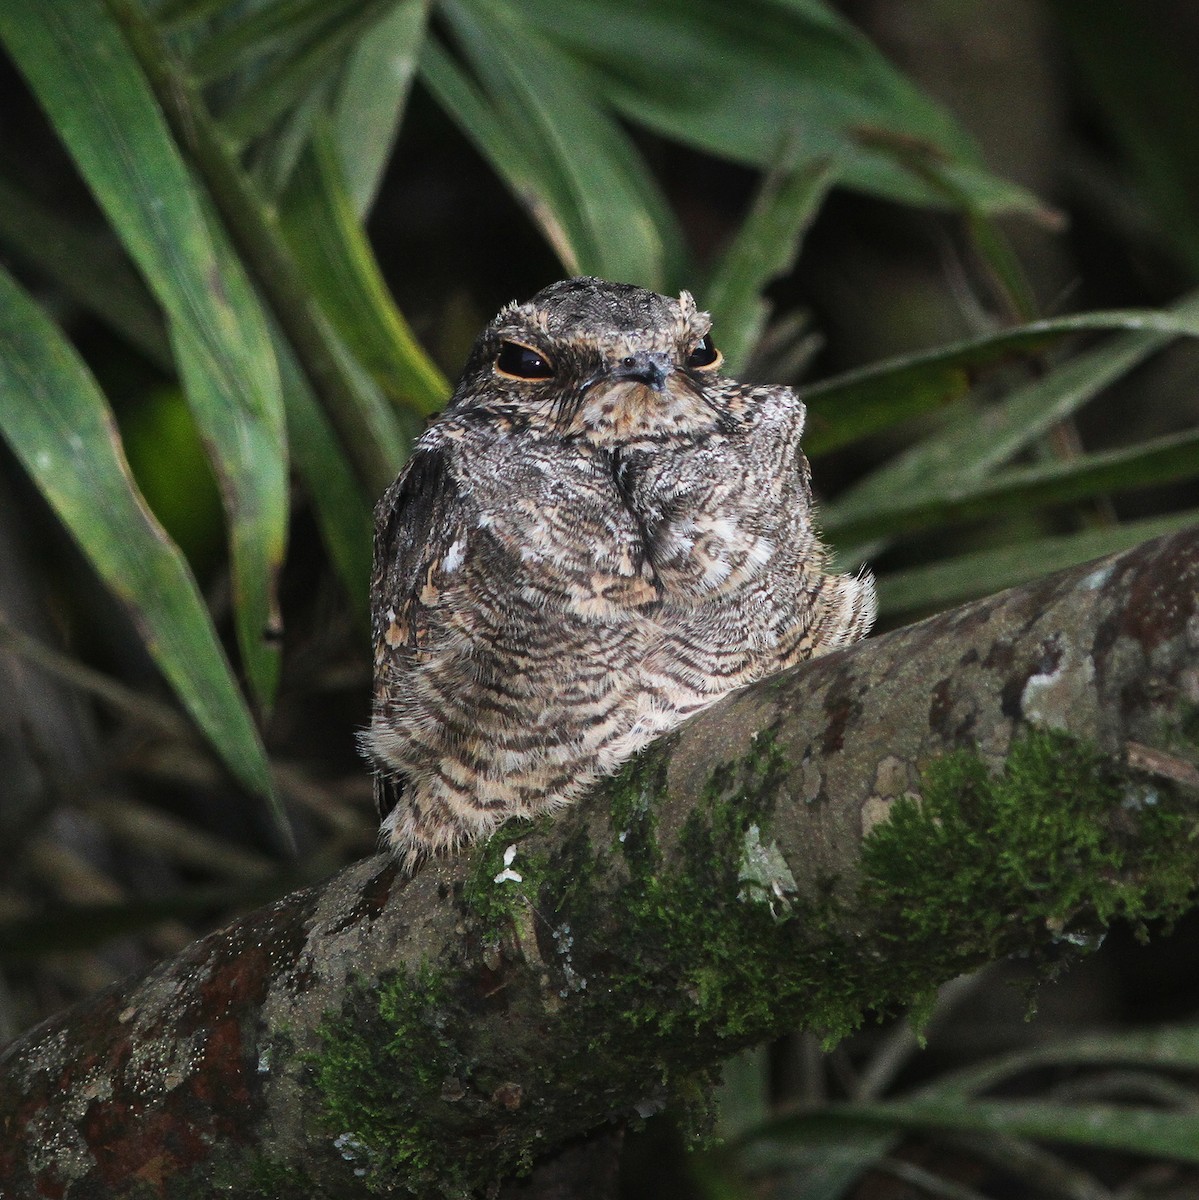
(1003,777)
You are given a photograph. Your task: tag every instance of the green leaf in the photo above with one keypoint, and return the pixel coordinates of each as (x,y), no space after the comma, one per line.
(987,571)
(1162,460)
(1154,1132)
(369,432)
(178,13)
(875,398)
(1170,1047)
(831,1147)
(61,430)
(765,247)
(973,444)
(283,85)
(539,122)
(371,96)
(329,242)
(87,265)
(740,80)
(342,511)
(253,34)
(823,1155)
(97,98)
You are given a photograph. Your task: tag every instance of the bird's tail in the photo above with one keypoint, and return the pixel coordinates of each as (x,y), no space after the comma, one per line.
(845,610)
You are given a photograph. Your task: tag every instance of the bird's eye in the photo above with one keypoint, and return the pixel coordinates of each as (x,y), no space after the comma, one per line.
(523,362)
(704,356)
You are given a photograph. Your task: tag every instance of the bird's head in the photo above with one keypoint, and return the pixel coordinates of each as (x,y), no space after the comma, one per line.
(609,362)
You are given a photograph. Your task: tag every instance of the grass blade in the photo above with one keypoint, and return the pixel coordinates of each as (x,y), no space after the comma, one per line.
(253,35)
(60,428)
(88,266)
(561,154)
(1151,1132)
(738,80)
(1167,1048)
(1162,460)
(370,98)
(960,579)
(370,435)
(765,247)
(867,401)
(329,242)
(342,511)
(98,100)
(286,81)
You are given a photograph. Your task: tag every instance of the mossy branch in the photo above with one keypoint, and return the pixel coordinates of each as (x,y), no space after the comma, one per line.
(1009,776)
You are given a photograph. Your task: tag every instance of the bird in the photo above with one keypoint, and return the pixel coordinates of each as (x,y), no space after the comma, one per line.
(600,535)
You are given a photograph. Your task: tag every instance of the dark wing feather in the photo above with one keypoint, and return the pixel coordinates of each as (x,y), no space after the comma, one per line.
(417,521)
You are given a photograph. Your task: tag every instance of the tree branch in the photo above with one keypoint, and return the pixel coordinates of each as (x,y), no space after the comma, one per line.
(1005,776)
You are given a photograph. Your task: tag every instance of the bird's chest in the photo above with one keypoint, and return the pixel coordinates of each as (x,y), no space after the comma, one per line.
(552,513)
(709,514)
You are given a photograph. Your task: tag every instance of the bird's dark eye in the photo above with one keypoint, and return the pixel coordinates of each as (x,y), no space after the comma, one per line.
(523,362)
(704,356)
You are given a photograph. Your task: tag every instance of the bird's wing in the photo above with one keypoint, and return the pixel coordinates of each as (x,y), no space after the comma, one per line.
(420,539)
(420,531)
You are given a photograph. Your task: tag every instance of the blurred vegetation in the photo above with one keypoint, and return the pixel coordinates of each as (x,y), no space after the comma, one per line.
(245,243)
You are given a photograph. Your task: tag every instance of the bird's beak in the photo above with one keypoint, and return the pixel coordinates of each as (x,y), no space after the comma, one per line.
(650,367)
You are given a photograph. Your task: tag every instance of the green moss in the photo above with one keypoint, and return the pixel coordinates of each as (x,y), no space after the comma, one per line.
(1061,839)
(719,954)
(710,942)
(272,1181)
(243,1172)
(387,1075)
(718,947)
(489,893)
(631,795)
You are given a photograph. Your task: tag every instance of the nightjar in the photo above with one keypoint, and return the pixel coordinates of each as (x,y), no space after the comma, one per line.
(600,536)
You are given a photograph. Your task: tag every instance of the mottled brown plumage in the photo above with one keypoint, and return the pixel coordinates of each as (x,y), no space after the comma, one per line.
(600,536)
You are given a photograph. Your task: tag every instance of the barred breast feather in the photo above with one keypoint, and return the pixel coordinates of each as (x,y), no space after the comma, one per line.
(601,536)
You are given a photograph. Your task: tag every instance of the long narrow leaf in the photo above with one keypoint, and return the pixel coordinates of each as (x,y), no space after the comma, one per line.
(765,247)
(1160,1134)
(369,434)
(329,241)
(859,403)
(738,79)
(254,34)
(1171,1047)
(342,511)
(85,77)
(470,110)
(287,81)
(1162,460)
(87,265)
(959,579)
(822,1155)
(576,165)
(60,428)
(371,95)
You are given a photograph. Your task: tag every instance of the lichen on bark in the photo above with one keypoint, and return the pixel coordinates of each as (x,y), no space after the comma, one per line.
(1048,849)
(831,843)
